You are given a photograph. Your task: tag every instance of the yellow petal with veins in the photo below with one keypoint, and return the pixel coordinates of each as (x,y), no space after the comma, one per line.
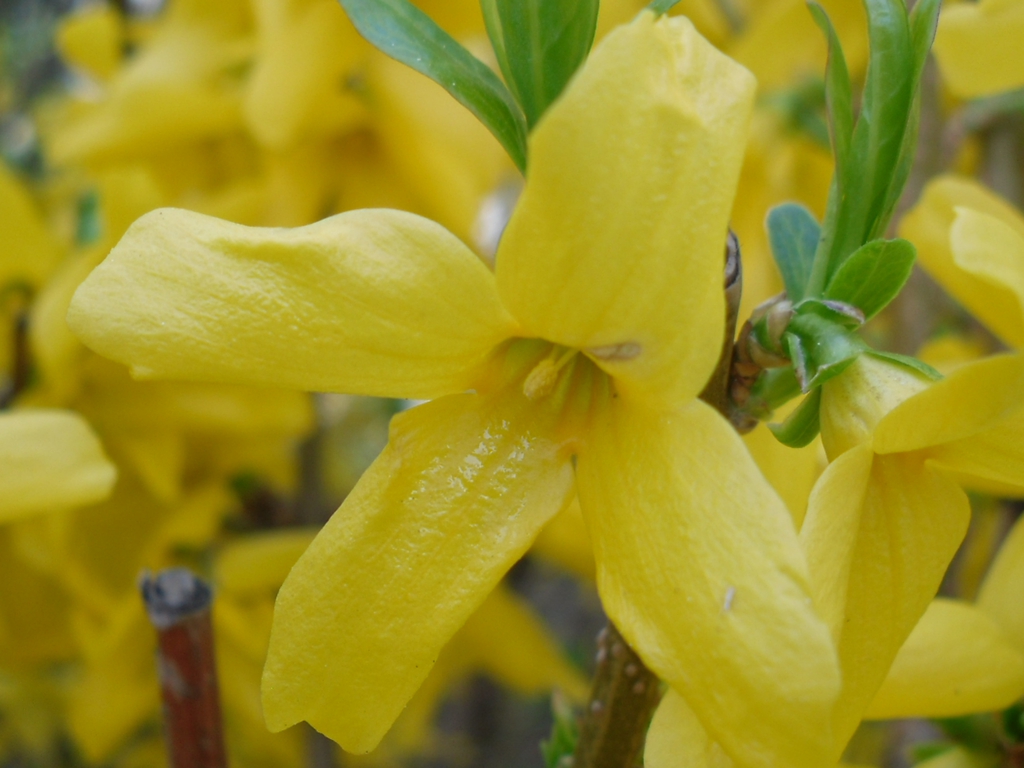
(978,47)
(618,241)
(1002,592)
(457,496)
(973,398)
(699,567)
(49,460)
(928,225)
(887,557)
(368,302)
(955,662)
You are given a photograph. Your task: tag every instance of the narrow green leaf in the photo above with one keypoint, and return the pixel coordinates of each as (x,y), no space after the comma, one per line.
(802,425)
(661,6)
(540,44)
(909,362)
(873,276)
(406,34)
(838,91)
(793,234)
(924,20)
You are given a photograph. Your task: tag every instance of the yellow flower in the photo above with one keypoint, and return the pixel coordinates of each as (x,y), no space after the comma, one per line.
(959,659)
(588,346)
(978,47)
(972,243)
(49,460)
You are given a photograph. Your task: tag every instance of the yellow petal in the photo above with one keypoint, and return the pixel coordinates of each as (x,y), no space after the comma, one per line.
(260,562)
(298,84)
(1002,592)
(92,38)
(514,647)
(443,154)
(955,662)
(699,567)
(49,460)
(991,461)
(617,242)
(367,302)
(993,250)
(973,398)
(27,251)
(894,549)
(676,739)
(978,47)
(782,45)
(791,473)
(829,536)
(462,489)
(928,225)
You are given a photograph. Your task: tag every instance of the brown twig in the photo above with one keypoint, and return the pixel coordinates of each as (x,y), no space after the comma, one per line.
(178,604)
(625,692)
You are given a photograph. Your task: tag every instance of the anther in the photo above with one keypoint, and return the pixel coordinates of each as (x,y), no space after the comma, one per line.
(541,380)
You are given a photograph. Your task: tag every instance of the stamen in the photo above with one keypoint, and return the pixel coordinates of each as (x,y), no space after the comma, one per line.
(541,380)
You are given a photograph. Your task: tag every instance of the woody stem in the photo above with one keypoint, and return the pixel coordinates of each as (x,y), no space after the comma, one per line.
(625,692)
(178,604)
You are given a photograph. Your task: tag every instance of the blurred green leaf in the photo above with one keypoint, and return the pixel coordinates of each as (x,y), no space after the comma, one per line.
(559,749)
(539,44)
(873,275)
(662,6)
(793,234)
(802,425)
(406,34)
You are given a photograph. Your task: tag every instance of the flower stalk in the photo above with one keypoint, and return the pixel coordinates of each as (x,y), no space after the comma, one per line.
(178,604)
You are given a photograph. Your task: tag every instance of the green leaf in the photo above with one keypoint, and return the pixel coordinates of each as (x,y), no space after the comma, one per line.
(661,6)
(838,91)
(802,425)
(406,34)
(819,348)
(774,387)
(908,362)
(873,276)
(924,20)
(540,44)
(794,236)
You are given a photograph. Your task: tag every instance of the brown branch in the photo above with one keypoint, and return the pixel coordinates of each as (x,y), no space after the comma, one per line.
(178,604)
(625,692)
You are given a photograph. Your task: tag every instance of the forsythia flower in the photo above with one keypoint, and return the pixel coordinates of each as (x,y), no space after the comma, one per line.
(585,351)
(978,47)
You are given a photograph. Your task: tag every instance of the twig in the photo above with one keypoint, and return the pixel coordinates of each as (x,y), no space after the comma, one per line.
(625,692)
(178,604)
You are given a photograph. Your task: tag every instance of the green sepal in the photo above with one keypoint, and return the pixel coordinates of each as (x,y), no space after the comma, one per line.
(820,348)
(873,275)
(405,33)
(794,235)
(661,6)
(539,44)
(802,425)
(918,366)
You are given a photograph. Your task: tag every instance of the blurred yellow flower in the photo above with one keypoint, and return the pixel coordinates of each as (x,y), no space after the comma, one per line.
(978,47)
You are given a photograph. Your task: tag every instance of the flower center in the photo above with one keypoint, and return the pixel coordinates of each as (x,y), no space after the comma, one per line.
(542,379)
